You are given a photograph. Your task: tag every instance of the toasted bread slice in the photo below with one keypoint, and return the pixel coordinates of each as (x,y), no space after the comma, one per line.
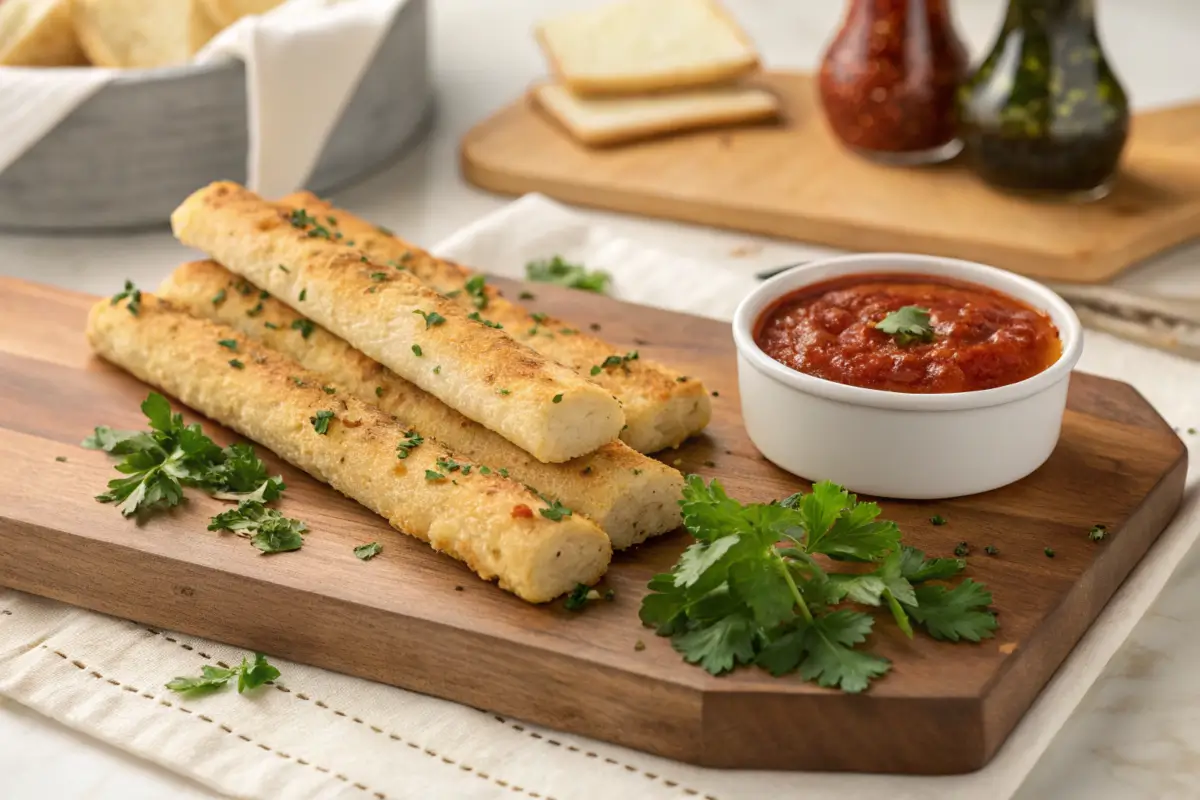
(490,523)
(646,46)
(38,33)
(227,12)
(662,406)
(142,33)
(613,120)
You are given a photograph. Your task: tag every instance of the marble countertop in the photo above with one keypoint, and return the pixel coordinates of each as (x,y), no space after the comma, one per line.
(1137,733)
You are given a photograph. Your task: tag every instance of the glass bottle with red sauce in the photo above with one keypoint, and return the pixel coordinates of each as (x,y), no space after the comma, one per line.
(889,78)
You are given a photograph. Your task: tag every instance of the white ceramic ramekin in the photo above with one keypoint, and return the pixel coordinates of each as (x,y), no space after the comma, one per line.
(892,444)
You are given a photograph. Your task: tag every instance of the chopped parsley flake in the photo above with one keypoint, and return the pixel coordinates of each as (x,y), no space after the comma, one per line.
(478,294)
(303,294)
(411,440)
(377,276)
(131,293)
(475,316)
(320,421)
(219,298)
(503,391)
(615,361)
(431,318)
(555,512)
(230,343)
(365,552)
(329,390)
(416,348)
(233,362)
(557,398)
(1098,532)
(305,327)
(430,475)
(937,519)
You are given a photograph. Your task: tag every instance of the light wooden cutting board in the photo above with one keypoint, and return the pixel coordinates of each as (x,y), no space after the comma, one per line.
(794,181)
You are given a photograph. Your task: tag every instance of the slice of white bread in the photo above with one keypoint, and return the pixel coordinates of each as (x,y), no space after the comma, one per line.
(142,33)
(227,12)
(613,120)
(646,45)
(38,33)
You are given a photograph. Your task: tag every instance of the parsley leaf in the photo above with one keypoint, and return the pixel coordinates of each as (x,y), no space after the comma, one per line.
(907,325)
(267,529)
(118,443)
(250,675)
(243,476)
(830,659)
(718,647)
(954,614)
(210,678)
(916,568)
(366,552)
(563,273)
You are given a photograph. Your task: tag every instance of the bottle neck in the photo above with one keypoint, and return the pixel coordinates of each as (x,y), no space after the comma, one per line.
(1047,13)
(899,11)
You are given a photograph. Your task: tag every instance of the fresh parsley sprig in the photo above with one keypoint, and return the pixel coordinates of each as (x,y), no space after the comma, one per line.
(558,271)
(751,590)
(158,463)
(250,675)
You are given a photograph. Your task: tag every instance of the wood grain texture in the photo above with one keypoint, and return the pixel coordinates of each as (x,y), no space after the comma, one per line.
(403,619)
(794,181)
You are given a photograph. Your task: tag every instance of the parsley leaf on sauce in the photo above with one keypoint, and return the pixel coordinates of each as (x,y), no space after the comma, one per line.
(907,325)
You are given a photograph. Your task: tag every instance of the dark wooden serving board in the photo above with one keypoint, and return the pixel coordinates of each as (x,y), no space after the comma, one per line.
(403,619)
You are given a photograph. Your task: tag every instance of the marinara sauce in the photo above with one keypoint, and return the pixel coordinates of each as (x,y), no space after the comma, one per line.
(981,338)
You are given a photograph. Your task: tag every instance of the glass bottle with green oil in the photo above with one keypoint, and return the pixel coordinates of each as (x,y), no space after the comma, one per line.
(1044,113)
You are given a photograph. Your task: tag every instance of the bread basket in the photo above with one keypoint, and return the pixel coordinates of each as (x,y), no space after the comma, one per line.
(129,154)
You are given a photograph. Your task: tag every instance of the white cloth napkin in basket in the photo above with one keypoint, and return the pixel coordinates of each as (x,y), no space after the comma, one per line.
(323,735)
(303,59)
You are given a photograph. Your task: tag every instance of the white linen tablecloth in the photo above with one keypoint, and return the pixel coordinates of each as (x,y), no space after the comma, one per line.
(318,734)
